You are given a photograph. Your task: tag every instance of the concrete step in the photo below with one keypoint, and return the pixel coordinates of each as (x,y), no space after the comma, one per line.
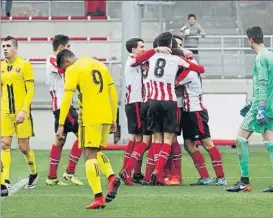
(111,29)
(111,50)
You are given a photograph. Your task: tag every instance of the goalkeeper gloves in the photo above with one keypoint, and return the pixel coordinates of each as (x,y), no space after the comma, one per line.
(261,116)
(245,109)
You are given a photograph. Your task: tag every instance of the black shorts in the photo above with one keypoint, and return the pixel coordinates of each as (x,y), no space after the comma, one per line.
(133,118)
(195,125)
(179,128)
(144,114)
(163,116)
(71,123)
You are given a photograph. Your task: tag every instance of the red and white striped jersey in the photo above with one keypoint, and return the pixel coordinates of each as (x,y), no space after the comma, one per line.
(55,81)
(162,72)
(133,80)
(146,87)
(192,93)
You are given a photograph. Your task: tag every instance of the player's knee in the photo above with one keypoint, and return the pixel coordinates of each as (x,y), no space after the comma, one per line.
(59,143)
(157,138)
(5,144)
(90,153)
(190,147)
(207,143)
(147,139)
(240,140)
(24,145)
(24,150)
(138,138)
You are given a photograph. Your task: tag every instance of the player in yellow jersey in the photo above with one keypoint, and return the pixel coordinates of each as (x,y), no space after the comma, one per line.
(17,85)
(98,103)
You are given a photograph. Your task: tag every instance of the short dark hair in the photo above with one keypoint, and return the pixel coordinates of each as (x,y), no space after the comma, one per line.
(59,40)
(165,39)
(174,43)
(256,34)
(191,15)
(62,55)
(11,38)
(177,52)
(132,43)
(178,37)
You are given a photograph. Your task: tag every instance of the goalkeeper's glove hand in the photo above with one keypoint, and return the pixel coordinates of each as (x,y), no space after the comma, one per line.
(245,109)
(261,116)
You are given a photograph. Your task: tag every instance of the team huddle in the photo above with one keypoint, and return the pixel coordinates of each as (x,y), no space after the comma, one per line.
(164,96)
(163,100)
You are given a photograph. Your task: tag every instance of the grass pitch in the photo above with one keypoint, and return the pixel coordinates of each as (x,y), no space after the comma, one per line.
(70,201)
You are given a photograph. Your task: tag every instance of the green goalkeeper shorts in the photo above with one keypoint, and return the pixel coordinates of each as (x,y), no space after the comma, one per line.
(250,124)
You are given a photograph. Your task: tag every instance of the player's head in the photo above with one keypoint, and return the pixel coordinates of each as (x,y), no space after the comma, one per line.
(255,36)
(10,47)
(191,19)
(155,43)
(60,42)
(65,58)
(179,41)
(135,46)
(165,39)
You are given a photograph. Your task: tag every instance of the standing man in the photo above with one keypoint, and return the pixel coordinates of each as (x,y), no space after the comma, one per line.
(55,81)
(98,103)
(17,84)
(192,28)
(258,117)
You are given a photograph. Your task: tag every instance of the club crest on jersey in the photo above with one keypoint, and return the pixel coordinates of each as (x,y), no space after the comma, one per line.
(17,70)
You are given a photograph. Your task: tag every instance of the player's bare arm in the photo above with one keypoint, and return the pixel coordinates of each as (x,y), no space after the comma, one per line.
(146,55)
(66,102)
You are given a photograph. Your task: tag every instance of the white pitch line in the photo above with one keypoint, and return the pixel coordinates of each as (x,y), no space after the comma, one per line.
(16,187)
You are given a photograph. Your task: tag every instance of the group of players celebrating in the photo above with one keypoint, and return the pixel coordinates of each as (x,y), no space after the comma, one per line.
(163,98)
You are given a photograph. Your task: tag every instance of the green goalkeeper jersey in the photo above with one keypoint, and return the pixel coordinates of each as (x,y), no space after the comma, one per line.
(263,82)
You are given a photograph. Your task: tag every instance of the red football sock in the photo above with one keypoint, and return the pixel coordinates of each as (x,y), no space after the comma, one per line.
(55,156)
(163,158)
(137,169)
(200,164)
(176,159)
(168,168)
(139,149)
(150,164)
(74,157)
(216,160)
(127,153)
(156,150)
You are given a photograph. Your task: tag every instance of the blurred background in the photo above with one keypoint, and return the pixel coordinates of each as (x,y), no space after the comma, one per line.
(223,50)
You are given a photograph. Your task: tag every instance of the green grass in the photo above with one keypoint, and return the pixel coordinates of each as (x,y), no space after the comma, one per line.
(145,201)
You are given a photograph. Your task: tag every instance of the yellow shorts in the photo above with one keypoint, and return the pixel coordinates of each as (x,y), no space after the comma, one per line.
(22,130)
(93,136)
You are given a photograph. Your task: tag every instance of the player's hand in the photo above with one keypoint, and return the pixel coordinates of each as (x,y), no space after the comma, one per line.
(113,127)
(21,116)
(245,109)
(261,116)
(60,133)
(163,49)
(187,53)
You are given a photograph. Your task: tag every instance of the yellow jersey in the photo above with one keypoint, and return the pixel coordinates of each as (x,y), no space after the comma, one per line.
(92,80)
(14,88)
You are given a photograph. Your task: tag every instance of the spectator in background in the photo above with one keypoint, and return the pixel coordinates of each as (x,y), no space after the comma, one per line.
(192,28)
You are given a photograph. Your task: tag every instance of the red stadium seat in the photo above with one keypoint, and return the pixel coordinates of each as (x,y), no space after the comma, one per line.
(54,18)
(42,39)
